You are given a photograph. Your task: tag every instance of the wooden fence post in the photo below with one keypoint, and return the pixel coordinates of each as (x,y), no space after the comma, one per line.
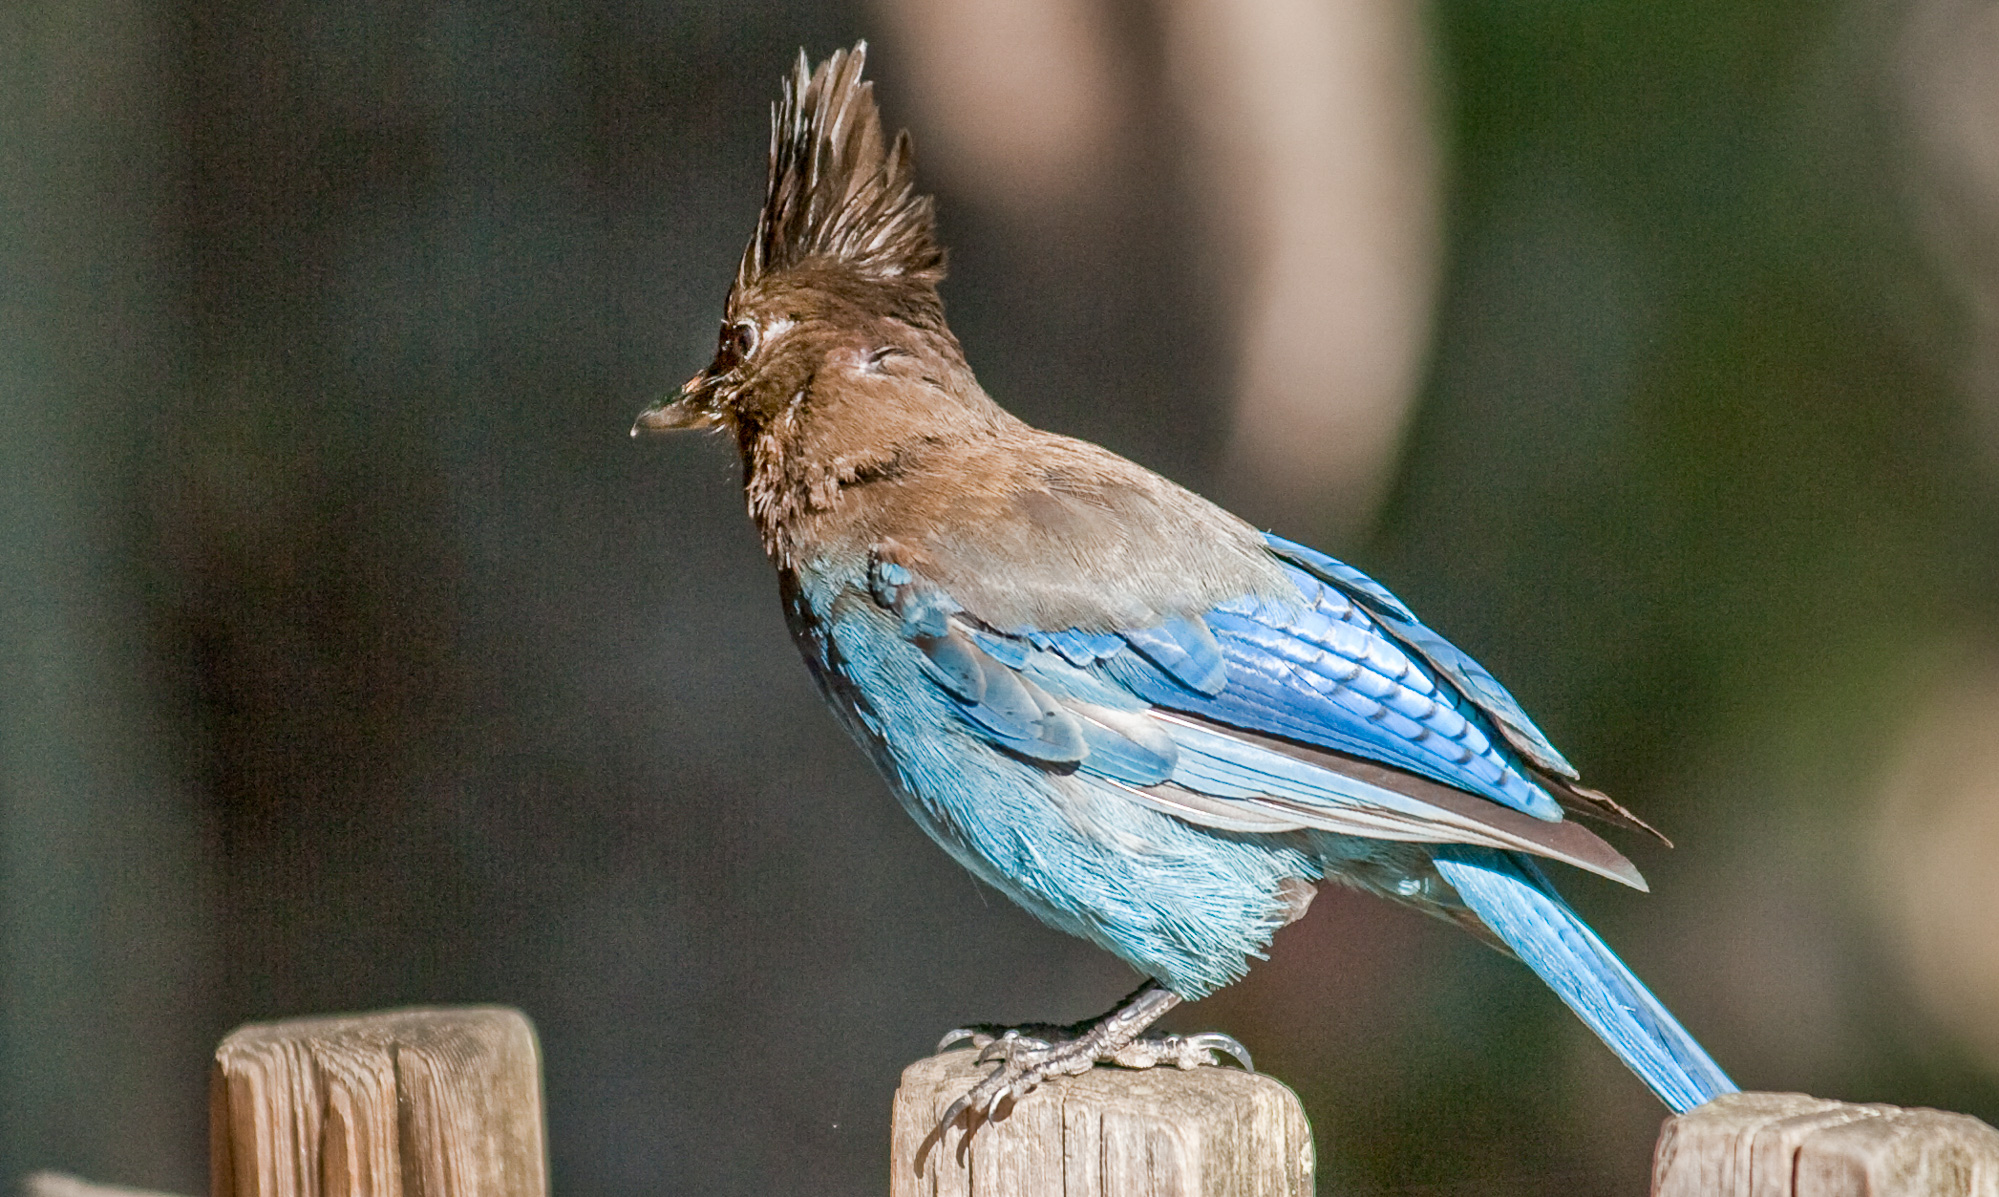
(405,1103)
(1792,1145)
(1208,1132)
(447,1103)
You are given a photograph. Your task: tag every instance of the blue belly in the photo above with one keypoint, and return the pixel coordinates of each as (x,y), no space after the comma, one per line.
(1187,906)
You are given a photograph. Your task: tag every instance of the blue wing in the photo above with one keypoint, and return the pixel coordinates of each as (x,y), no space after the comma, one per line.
(1326,710)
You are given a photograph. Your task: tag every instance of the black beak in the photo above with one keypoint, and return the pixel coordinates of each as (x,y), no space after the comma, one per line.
(693,409)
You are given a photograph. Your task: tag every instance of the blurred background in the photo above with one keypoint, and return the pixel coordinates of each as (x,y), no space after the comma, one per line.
(351,655)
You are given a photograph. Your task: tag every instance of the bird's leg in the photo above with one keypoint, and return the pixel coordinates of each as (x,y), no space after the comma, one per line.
(1028,1055)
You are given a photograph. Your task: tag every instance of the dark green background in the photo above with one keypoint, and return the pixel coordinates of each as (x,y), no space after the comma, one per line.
(351,655)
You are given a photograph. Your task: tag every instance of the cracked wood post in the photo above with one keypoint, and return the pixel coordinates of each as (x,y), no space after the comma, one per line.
(1792,1145)
(1111,1132)
(405,1103)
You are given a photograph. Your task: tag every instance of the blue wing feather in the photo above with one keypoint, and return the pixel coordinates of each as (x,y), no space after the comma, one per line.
(1322,672)
(953,664)
(1213,762)
(992,695)
(1446,658)
(1078,648)
(1185,649)
(1134,752)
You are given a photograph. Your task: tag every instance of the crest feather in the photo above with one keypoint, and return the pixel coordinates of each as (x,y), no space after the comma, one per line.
(838,190)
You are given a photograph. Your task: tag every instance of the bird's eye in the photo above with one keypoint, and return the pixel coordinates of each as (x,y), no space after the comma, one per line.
(738,341)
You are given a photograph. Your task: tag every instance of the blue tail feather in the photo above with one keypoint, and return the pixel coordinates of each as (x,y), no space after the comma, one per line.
(1513,898)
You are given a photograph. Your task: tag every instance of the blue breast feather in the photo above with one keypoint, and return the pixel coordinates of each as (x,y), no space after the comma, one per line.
(975,753)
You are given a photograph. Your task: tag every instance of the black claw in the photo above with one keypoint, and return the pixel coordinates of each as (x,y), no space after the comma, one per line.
(1215,1041)
(953,1037)
(951,1115)
(966,1103)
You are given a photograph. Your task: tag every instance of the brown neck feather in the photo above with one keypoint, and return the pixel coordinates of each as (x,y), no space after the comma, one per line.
(804,462)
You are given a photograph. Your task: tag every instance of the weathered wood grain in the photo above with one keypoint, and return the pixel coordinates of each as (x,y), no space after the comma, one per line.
(1209,1132)
(1792,1145)
(405,1103)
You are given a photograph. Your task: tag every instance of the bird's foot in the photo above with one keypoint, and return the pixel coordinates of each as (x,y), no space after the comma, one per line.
(1146,1051)
(1029,1055)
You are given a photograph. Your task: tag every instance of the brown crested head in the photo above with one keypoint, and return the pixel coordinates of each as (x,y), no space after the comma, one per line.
(840,196)
(845,249)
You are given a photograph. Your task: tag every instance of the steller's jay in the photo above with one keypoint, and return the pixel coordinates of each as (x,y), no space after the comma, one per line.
(1129,711)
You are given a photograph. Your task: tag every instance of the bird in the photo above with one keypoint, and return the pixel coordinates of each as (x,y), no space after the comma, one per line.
(1136,715)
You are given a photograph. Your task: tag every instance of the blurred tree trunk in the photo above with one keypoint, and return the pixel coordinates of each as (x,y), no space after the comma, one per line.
(101,925)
